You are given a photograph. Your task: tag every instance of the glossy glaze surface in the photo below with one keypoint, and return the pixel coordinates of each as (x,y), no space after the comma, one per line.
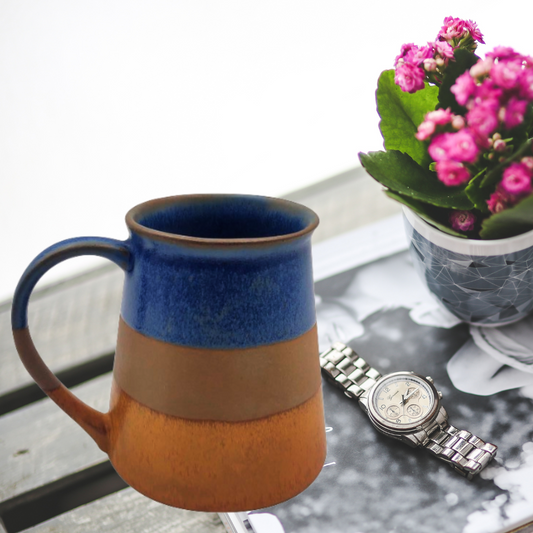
(223,409)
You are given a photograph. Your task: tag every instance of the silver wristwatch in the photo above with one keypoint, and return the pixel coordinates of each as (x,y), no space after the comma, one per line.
(407,407)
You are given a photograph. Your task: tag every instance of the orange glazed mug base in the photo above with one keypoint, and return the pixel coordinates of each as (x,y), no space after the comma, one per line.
(205,465)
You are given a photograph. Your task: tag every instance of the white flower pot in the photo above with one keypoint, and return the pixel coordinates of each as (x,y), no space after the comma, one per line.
(487,283)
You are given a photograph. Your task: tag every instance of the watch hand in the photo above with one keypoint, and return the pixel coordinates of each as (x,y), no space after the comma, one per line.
(408,396)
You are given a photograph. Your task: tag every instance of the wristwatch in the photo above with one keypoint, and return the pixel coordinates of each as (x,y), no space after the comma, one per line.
(407,407)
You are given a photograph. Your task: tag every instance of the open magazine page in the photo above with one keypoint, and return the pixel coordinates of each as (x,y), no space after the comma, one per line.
(376,304)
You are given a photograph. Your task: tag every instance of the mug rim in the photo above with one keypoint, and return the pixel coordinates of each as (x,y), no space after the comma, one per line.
(157,203)
(468,246)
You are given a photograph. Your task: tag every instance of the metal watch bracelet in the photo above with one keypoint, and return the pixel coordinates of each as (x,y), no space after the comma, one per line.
(466,453)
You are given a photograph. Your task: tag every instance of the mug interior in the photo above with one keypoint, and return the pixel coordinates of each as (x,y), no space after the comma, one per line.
(223,217)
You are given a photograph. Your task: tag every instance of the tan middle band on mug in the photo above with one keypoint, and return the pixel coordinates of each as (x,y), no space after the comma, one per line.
(207,384)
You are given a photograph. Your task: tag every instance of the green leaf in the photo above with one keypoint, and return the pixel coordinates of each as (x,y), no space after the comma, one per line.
(511,222)
(479,195)
(463,61)
(401,114)
(424,211)
(400,173)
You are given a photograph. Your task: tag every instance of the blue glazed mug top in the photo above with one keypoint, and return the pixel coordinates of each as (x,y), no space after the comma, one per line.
(486,283)
(221,219)
(220,271)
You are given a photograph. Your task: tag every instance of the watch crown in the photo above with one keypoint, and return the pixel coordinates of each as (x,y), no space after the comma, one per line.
(429,378)
(439,393)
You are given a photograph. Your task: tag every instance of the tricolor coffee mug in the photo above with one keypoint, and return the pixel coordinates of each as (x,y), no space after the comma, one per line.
(216,402)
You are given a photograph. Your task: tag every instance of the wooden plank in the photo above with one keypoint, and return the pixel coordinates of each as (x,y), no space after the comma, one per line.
(127,511)
(40,444)
(71,323)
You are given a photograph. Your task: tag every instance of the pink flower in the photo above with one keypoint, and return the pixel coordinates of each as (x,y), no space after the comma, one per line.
(463,88)
(514,112)
(455,30)
(409,77)
(506,73)
(452,173)
(458,146)
(487,92)
(438,149)
(528,61)
(516,179)
(526,84)
(462,220)
(462,146)
(440,116)
(416,57)
(443,49)
(451,29)
(503,52)
(472,28)
(404,51)
(483,119)
(425,130)
(482,67)
(498,201)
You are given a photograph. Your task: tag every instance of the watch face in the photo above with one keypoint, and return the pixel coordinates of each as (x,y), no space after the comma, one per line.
(402,400)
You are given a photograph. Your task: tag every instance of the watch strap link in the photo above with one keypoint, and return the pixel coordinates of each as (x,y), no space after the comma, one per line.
(463,451)
(345,369)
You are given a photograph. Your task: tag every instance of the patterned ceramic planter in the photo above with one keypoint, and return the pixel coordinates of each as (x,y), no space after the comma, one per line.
(487,283)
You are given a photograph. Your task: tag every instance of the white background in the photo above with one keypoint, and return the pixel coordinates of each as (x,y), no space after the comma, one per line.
(107,103)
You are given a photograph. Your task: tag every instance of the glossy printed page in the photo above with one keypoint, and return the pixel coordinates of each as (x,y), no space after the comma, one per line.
(371,483)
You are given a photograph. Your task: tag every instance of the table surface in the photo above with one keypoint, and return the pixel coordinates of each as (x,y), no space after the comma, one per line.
(53,476)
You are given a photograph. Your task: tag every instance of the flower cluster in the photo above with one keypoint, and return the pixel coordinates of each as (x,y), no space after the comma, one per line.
(468,167)
(460,33)
(415,65)
(452,145)
(496,93)
(515,185)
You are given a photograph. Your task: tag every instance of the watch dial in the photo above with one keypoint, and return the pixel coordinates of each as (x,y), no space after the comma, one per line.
(402,400)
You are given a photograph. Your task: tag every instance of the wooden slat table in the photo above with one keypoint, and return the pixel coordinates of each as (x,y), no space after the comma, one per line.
(53,478)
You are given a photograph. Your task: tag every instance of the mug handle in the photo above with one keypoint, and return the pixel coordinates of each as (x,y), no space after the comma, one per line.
(92,421)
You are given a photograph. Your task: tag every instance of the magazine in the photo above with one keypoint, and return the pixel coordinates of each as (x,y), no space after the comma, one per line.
(369,297)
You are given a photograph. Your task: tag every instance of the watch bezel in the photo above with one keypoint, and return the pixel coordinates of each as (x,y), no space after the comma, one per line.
(389,426)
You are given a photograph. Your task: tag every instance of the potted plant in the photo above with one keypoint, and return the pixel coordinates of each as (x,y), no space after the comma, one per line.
(457,133)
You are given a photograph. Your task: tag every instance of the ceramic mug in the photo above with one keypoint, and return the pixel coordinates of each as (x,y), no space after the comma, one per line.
(216,401)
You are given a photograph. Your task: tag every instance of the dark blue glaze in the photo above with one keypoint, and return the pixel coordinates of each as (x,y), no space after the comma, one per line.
(220,297)
(116,251)
(226,217)
(208,271)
